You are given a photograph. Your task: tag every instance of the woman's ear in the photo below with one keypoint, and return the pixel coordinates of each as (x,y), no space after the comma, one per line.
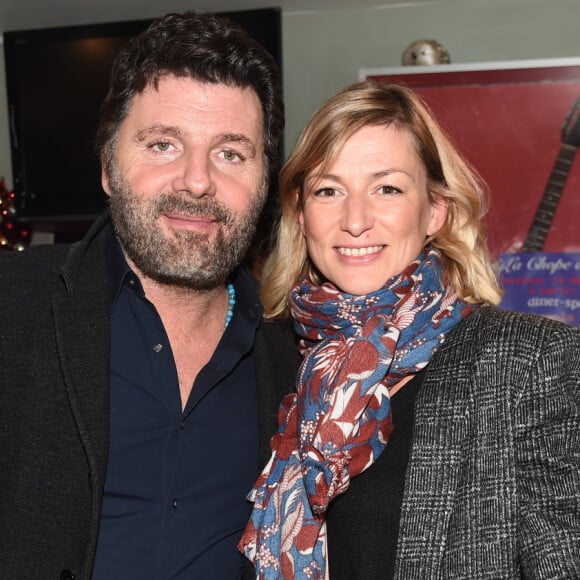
(438,215)
(300,211)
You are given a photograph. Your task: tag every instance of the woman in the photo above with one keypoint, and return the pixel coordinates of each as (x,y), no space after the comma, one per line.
(432,435)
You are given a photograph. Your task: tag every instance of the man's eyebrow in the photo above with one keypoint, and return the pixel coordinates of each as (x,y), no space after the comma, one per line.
(158,129)
(238,138)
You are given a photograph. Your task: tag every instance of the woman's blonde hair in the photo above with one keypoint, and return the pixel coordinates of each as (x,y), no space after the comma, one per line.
(466,261)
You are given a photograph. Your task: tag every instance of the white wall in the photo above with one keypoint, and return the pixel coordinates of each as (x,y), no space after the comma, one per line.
(323,50)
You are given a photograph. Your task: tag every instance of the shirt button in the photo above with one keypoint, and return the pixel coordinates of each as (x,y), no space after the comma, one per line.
(157,347)
(174,504)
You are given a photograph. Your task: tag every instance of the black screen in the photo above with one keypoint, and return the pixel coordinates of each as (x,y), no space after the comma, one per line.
(56,81)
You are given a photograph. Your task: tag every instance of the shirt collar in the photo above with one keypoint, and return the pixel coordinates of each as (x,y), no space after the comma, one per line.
(119,273)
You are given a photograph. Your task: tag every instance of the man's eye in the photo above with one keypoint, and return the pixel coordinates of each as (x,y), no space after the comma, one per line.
(231,155)
(162,146)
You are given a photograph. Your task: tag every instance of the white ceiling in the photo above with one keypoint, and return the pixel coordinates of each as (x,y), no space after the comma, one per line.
(26,14)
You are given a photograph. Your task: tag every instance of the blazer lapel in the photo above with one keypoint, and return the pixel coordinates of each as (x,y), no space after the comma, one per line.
(440,429)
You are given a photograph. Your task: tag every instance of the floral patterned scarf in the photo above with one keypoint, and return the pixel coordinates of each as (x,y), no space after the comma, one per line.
(355,348)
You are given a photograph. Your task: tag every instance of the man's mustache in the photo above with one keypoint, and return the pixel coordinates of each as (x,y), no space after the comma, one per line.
(205,207)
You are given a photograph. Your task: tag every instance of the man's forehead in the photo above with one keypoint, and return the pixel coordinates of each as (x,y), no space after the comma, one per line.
(192,102)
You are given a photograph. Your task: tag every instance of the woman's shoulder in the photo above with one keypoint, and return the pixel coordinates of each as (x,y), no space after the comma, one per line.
(502,353)
(494,322)
(509,334)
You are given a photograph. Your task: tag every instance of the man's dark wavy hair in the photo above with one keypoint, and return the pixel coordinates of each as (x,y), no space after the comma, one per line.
(204,47)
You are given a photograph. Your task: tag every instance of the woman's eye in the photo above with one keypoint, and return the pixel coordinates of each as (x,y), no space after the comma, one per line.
(389,190)
(325,192)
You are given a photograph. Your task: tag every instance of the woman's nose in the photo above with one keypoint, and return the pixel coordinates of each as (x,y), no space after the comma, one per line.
(358,215)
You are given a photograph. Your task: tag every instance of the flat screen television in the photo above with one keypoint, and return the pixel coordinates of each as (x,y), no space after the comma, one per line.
(56,81)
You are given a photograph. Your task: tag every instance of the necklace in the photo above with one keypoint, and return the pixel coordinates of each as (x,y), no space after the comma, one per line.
(231,304)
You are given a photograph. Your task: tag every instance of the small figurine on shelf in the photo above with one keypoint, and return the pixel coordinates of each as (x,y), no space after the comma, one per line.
(13,236)
(425,52)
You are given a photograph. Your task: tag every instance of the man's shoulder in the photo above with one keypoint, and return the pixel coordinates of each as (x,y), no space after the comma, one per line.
(34,260)
(28,278)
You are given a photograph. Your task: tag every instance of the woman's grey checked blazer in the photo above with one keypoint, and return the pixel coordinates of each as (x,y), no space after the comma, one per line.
(493,483)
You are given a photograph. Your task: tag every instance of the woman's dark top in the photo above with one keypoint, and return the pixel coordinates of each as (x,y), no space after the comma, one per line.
(363,523)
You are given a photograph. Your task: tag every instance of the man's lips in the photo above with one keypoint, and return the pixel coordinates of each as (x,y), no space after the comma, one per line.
(189,221)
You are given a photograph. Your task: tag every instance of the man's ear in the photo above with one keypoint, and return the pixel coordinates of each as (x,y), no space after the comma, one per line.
(105,180)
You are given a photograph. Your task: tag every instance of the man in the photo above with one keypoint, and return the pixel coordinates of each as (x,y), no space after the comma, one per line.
(137,379)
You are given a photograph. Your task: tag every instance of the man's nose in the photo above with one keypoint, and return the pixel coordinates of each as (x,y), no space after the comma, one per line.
(195,175)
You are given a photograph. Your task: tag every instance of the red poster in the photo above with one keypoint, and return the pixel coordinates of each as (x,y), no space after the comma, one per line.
(518,124)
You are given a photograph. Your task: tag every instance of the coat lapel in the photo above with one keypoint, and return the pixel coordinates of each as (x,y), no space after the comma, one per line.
(83,357)
(81,319)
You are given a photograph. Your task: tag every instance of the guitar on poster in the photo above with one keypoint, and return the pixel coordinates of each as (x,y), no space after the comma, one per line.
(546,210)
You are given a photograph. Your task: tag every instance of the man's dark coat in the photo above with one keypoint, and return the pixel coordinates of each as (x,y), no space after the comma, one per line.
(54,404)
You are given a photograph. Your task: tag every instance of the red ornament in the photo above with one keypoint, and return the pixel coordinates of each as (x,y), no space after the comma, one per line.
(13,236)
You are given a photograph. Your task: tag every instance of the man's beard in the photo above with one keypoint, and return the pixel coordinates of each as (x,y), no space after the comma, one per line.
(184,258)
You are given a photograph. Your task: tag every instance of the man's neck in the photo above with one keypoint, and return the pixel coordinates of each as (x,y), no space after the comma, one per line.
(194,321)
